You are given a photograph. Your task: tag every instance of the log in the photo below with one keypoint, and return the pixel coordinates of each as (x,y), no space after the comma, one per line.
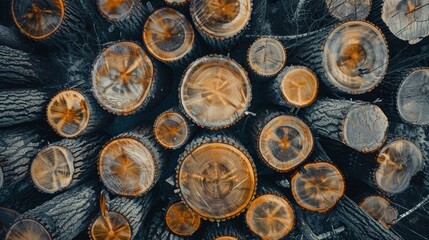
(131,163)
(156,228)
(349,9)
(379,208)
(181,221)
(66,163)
(225,231)
(170,38)
(221,23)
(177,3)
(12,38)
(359,125)
(282,141)
(216,177)
(125,80)
(215,92)
(21,106)
(7,217)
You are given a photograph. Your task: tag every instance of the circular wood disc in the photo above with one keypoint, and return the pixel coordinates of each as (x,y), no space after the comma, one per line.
(413,97)
(222,18)
(349,9)
(122,77)
(38,19)
(168,35)
(53,168)
(398,162)
(285,142)
(355,57)
(379,208)
(299,86)
(27,229)
(115,10)
(216,180)
(215,92)
(116,227)
(270,217)
(176,2)
(68,113)
(319,187)
(266,56)
(127,167)
(181,221)
(171,130)
(227,238)
(365,128)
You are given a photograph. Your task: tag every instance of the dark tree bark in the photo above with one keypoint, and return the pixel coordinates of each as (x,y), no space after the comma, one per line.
(223,229)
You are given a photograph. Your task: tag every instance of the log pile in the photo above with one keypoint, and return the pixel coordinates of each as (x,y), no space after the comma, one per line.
(214,119)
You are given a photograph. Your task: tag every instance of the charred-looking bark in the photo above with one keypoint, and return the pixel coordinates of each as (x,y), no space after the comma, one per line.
(11,37)
(21,106)
(280,140)
(52,22)
(7,217)
(215,92)
(407,19)
(222,23)
(125,79)
(127,16)
(352,58)
(349,9)
(359,125)
(120,218)
(225,231)
(156,228)
(177,3)
(216,177)
(170,38)
(73,113)
(62,217)
(181,221)
(172,130)
(131,163)
(295,86)
(379,208)
(65,163)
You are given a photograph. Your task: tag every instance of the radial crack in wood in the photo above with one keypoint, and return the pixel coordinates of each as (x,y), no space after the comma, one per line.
(266,56)
(115,10)
(181,221)
(171,130)
(349,9)
(380,209)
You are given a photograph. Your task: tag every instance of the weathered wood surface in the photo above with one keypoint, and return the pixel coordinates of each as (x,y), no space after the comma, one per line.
(349,9)
(266,57)
(226,231)
(380,209)
(156,228)
(182,221)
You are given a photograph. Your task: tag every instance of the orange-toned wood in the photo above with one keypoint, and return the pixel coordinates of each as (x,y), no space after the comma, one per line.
(27,229)
(171,129)
(349,9)
(177,2)
(181,221)
(113,226)
(115,10)
(266,56)
(380,209)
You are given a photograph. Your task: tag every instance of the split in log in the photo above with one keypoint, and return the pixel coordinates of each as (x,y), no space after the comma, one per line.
(72,112)
(215,92)
(216,177)
(221,23)
(181,221)
(318,187)
(295,86)
(65,163)
(407,19)
(270,216)
(170,38)
(361,126)
(379,208)
(224,231)
(349,9)
(21,106)
(130,164)
(266,57)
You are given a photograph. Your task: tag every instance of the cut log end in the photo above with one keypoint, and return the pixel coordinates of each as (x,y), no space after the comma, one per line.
(171,130)
(355,57)
(181,221)
(127,167)
(122,77)
(227,238)
(270,217)
(365,128)
(299,86)
(398,162)
(113,226)
(413,97)
(285,142)
(349,9)
(379,208)
(168,35)
(216,180)
(68,113)
(266,57)
(221,19)
(52,170)
(38,19)
(319,187)
(115,10)
(215,92)
(176,2)
(27,229)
